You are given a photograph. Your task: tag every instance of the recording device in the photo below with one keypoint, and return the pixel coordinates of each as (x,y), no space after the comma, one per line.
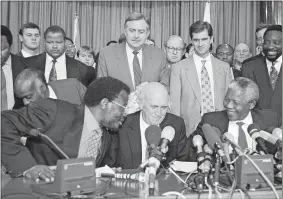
(214,141)
(45,138)
(253,129)
(277,132)
(167,135)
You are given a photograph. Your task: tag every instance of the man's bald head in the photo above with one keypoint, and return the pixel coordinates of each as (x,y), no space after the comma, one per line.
(175,48)
(225,52)
(154,103)
(242,52)
(30,85)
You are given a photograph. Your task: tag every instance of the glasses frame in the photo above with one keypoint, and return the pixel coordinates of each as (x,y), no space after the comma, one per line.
(118,104)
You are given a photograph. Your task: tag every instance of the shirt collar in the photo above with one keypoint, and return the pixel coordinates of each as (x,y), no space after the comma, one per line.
(269,63)
(199,59)
(247,120)
(142,122)
(61,59)
(26,54)
(90,121)
(129,49)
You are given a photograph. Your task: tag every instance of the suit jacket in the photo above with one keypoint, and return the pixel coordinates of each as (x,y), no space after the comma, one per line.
(113,62)
(252,58)
(129,150)
(256,70)
(70,90)
(264,118)
(60,120)
(75,69)
(185,89)
(20,54)
(237,73)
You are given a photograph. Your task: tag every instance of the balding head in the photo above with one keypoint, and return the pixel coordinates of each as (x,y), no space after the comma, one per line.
(154,103)
(174,49)
(242,52)
(30,85)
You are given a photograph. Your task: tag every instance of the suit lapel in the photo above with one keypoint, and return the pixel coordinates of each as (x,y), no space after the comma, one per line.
(191,74)
(262,76)
(134,139)
(278,86)
(146,58)
(123,66)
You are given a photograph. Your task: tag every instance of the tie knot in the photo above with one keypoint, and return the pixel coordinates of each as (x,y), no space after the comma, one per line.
(54,61)
(135,52)
(203,62)
(273,63)
(240,124)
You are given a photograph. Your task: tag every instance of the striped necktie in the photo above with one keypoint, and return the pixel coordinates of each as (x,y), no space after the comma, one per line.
(137,69)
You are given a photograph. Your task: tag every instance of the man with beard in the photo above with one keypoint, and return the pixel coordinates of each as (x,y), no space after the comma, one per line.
(266,70)
(79,130)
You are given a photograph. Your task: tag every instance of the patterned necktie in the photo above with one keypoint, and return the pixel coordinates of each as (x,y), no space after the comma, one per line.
(242,140)
(4,102)
(53,74)
(137,69)
(94,144)
(273,75)
(206,94)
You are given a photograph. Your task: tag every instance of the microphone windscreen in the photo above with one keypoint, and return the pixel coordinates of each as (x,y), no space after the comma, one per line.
(211,136)
(270,129)
(252,127)
(278,133)
(168,133)
(217,130)
(228,136)
(153,135)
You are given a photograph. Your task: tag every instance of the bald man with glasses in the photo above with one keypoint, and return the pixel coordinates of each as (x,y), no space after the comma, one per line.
(175,48)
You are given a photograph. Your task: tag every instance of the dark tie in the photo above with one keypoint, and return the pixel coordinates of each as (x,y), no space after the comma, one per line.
(242,140)
(4,104)
(137,69)
(53,74)
(206,94)
(273,75)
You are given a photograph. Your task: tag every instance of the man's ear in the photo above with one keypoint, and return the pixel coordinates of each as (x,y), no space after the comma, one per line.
(21,38)
(252,104)
(103,103)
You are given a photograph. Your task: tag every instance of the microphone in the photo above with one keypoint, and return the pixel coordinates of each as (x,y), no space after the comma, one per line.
(270,138)
(228,137)
(198,143)
(199,181)
(141,177)
(37,133)
(214,141)
(253,131)
(167,135)
(207,149)
(277,132)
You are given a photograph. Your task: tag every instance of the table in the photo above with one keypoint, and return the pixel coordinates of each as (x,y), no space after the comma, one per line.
(21,188)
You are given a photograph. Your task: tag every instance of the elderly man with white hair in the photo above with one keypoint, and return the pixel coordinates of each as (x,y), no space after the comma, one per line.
(154,103)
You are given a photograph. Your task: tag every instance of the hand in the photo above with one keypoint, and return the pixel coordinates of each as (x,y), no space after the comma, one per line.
(155,152)
(38,172)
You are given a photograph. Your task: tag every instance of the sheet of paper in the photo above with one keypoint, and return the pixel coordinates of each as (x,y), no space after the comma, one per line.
(184,166)
(105,169)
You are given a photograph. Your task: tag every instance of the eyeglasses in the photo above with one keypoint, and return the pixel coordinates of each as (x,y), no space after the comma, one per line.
(118,104)
(172,49)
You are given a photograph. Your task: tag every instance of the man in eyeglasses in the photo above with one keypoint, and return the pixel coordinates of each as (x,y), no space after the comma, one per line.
(79,130)
(175,48)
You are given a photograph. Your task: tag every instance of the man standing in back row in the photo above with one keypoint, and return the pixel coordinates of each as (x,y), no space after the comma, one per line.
(199,83)
(134,62)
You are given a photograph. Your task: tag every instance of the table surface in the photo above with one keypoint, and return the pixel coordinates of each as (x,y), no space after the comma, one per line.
(21,188)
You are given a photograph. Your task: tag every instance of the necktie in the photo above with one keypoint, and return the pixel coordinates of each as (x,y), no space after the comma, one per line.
(206,94)
(137,69)
(94,144)
(4,103)
(53,74)
(242,140)
(273,75)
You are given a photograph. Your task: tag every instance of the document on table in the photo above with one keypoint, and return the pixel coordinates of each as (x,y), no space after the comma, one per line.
(184,166)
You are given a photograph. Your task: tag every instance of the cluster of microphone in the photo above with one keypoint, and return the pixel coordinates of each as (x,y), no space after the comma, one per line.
(216,151)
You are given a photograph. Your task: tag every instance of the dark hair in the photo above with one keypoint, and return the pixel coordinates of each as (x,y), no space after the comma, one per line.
(200,26)
(5,31)
(135,16)
(28,25)
(261,26)
(273,28)
(224,45)
(111,42)
(104,87)
(67,38)
(88,49)
(54,29)
(122,38)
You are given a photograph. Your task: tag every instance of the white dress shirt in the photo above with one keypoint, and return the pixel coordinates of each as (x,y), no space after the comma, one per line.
(208,66)
(60,67)
(130,57)
(277,65)
(143,127)
(26,54)
(7,69)
(233,129)
(52,94)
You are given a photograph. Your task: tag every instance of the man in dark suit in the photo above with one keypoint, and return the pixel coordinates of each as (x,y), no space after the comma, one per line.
(225,52)
(29,36)
(239,104)
(30,86)
(134,62)
(54,62)
(11,66)
(77,129)
(154,101)
(266,71)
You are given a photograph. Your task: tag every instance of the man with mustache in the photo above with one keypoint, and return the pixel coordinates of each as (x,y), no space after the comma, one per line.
(134,62)
(78,130)
(54,62)
(266,71)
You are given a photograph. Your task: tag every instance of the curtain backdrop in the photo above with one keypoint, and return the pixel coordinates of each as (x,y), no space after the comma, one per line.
(232,22)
